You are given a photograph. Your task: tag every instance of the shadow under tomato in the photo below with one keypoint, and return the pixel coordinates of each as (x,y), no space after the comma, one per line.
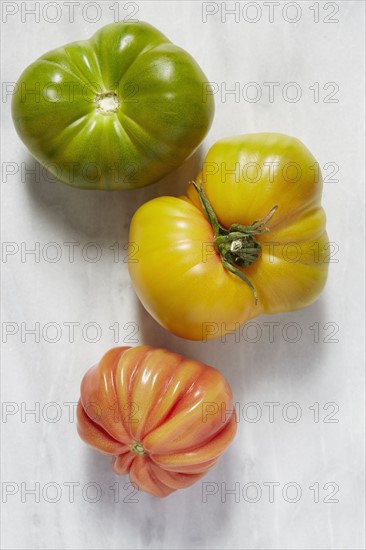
(268,349)
(102,215)
(186,513)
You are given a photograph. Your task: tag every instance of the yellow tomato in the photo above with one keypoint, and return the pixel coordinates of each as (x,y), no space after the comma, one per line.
(248,239)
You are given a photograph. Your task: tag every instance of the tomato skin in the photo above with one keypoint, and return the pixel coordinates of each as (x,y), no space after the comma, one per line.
(160,119)
(177,276)
(180,278)
(179,411)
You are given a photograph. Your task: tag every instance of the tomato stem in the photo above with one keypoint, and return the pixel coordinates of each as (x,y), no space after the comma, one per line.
(137,448)
(237,245)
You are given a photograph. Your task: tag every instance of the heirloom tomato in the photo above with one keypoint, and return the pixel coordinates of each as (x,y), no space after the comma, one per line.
(165,418)
(118,111)
(248,239)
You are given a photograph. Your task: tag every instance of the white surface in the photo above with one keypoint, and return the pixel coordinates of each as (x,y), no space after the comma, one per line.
(36,450)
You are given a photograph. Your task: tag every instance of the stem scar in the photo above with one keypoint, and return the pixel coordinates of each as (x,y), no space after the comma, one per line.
(237,246)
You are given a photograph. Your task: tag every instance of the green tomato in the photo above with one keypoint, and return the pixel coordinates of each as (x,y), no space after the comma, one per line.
(115,112)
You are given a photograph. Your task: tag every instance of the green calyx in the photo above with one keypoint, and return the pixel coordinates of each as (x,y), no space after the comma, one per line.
(237,245)
(137,448)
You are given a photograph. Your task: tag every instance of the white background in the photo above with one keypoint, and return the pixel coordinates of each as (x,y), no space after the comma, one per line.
(307,452)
